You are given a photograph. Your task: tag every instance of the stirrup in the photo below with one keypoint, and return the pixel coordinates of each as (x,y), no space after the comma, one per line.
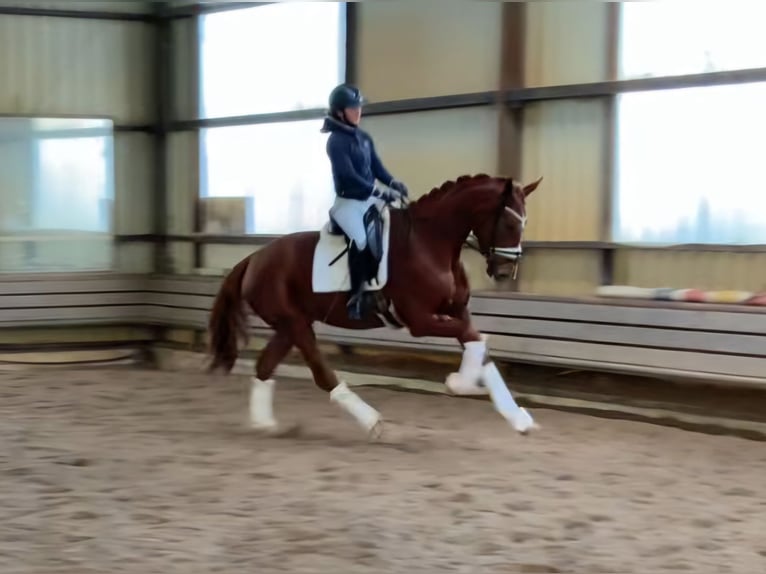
(354,307)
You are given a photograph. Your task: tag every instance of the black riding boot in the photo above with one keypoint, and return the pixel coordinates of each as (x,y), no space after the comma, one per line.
(356,270)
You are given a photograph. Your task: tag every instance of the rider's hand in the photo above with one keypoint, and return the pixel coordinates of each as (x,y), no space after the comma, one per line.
(400,187)
(387,195)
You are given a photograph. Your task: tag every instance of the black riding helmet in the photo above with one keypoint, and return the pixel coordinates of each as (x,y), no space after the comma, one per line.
(345,96)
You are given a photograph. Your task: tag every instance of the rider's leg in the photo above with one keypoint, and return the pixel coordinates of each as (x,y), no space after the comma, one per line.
(357,263)
(348,214)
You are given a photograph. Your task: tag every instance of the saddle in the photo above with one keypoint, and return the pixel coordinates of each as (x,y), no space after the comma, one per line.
(373,225)
(330,269)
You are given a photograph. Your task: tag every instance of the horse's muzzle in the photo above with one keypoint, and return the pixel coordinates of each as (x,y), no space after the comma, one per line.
(504,263)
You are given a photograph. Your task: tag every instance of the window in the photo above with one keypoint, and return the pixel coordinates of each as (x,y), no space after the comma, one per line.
(677,38)
(57,190)
(282,167)
(273,58)
(72,184)
(279,57)
(689,166)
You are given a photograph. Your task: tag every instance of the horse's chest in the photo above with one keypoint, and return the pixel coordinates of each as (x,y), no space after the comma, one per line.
(442,287)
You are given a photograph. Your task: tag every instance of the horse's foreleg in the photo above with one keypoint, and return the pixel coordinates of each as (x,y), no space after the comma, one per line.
(456,325)
(475,365)
(466,380)
(517,416)
(262,389)
(324,377)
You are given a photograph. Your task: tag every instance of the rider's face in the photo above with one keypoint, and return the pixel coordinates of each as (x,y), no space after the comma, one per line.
(353,115)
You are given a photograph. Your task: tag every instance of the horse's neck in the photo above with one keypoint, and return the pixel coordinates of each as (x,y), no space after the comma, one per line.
(446,227)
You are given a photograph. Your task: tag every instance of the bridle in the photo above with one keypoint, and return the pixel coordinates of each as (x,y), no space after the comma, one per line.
(510,253)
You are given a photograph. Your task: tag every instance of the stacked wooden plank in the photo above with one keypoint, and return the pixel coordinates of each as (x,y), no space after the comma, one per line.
(660,337)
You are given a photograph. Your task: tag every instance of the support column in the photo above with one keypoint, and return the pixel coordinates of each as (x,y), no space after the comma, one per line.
(610,145)
(511,77)
(511,117)
(163,94)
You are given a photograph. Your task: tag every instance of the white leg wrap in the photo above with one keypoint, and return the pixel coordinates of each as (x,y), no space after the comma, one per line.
(261,404)
(465,381)
(367,416)
(518,417)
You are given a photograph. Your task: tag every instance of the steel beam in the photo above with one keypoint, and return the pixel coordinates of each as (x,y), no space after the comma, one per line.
(513,97)
(604,246)
(617,87)
(142,128)
(200,8)
(77,14)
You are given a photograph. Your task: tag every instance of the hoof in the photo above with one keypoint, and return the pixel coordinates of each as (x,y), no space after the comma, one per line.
(522,422)
(376,432)
(266,429)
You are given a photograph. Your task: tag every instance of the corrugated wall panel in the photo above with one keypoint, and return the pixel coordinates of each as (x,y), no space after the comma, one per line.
(65,66)
(427,148)
(121,6)
(564,142)
(428,48)
(563,272)
(476,270)
(133,183)
(216,258)
(566,43)
(690,269)
(134,257)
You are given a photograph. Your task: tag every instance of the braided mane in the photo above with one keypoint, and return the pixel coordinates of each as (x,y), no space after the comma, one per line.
(449,187)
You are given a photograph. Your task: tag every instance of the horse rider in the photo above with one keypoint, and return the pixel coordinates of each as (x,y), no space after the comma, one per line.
(355,169)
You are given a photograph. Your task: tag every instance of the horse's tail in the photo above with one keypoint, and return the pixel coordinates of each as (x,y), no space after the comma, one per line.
(228,320)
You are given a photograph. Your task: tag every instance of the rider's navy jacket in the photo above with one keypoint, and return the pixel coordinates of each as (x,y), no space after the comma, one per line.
(355,163)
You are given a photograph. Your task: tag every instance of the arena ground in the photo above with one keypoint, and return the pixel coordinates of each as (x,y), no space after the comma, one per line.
(141,471)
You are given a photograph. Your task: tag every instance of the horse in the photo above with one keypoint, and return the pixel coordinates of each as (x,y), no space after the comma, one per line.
(416,281)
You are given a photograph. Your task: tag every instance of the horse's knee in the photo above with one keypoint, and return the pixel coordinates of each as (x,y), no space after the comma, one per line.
(276,350)
(304,338)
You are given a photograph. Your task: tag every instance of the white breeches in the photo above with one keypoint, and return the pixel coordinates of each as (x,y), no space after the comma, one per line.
(349,214)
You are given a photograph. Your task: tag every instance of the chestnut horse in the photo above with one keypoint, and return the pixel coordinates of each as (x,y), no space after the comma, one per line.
(426,291)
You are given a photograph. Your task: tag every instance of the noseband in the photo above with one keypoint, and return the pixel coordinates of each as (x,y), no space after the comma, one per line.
(490,253)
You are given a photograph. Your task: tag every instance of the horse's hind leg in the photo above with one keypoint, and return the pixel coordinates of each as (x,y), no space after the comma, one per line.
(262,390)
(305,339)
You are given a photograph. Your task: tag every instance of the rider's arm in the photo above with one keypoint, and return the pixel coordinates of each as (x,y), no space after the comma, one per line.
(353,185)
(378,169)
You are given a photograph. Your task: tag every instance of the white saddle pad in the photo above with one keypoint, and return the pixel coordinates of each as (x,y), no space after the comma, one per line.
(331,279)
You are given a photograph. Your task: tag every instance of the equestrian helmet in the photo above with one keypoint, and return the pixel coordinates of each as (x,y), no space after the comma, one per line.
(345,96)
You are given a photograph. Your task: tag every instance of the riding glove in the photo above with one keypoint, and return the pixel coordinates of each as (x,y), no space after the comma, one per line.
(387,195)
(400,187)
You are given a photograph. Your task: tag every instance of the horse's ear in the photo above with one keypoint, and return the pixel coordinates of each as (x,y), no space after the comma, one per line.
(530,187)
